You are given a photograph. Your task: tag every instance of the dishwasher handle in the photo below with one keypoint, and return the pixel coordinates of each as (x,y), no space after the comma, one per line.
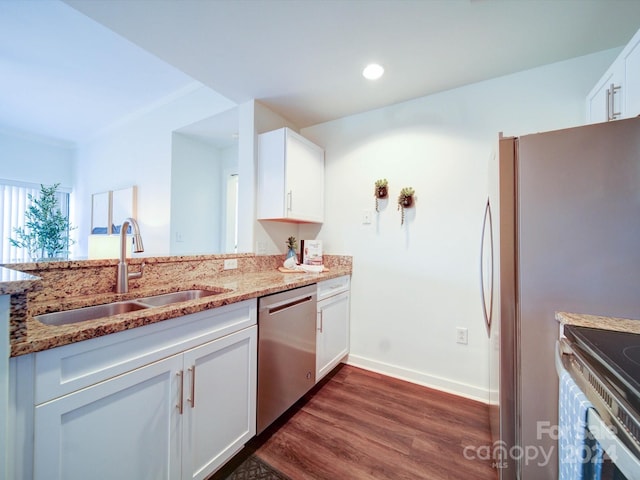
(288,303)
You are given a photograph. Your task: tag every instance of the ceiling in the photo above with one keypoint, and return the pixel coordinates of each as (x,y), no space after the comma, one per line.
(65,74)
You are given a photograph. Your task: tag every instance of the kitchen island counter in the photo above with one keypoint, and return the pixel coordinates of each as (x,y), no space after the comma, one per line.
(239,285)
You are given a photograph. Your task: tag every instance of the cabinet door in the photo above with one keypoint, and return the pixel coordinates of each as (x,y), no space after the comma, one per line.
(123,428)
(606,97)
(290,178)
(304,179)
(631,59)
(220,400)
(332,333)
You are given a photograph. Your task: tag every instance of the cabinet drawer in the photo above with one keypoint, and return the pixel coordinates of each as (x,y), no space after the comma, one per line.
(328,288)
(65,369)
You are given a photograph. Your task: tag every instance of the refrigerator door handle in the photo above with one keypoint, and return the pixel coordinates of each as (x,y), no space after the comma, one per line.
(487,223)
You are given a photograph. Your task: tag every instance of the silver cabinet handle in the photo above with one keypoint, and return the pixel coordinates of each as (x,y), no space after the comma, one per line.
(290,200)
(180,405)
(321,321)
(487,222)
(192,400)
(611,102)
(614,114)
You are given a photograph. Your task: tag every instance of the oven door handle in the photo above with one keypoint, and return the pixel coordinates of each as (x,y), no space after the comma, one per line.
(620,455)
(563,350)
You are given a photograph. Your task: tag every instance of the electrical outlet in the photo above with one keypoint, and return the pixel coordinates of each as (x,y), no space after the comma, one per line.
(230,263)
(462,335)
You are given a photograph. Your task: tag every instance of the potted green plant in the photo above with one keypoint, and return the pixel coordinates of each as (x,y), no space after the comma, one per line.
(292,246)
(46,231)
(381,190)
(405,200)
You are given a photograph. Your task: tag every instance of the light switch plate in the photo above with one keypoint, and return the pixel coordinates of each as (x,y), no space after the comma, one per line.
(366,217)
(462,335)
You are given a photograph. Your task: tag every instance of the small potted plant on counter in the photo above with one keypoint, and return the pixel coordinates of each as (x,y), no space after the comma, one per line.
(292,245)
(405,200)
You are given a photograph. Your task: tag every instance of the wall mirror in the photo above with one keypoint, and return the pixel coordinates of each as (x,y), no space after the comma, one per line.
(204,186)
(100,213)
(123,205)
(109,209)
(216,217)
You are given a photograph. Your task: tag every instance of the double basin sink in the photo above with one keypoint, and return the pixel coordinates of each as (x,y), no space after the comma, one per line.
(100,311)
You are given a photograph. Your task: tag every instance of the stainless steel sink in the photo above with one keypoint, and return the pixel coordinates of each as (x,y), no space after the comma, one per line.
(88,313)
(176,297)
(109,309)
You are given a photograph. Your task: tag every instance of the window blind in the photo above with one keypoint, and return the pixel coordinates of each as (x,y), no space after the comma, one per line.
(14,198)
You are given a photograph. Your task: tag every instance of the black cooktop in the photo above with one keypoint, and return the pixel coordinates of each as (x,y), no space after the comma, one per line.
(617,352)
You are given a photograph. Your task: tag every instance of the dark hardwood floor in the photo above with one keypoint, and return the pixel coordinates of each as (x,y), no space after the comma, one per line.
(361,425)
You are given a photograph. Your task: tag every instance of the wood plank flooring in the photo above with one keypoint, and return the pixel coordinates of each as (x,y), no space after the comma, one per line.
(361,425)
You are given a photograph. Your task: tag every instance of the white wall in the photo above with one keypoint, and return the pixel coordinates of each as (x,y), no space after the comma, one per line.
(138,152)
(414,284)
(36,160)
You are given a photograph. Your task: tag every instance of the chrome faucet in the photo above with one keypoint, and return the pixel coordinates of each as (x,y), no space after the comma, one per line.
(122,283)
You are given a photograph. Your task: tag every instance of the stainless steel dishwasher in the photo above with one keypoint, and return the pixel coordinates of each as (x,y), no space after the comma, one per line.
(286,351)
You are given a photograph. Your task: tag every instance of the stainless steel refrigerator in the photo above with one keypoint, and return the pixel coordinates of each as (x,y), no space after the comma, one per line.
(562,233)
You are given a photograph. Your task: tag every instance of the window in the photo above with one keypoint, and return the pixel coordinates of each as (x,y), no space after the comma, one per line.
(14,198)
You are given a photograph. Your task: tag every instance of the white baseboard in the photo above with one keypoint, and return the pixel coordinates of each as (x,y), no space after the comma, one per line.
(438,383)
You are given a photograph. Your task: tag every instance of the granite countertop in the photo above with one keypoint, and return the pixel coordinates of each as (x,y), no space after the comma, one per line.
(13,281)
(241,286)
(594,321)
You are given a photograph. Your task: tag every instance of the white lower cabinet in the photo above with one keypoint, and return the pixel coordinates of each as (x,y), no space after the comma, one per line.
(178,417)
(332,326)
(219,413)
(126,427)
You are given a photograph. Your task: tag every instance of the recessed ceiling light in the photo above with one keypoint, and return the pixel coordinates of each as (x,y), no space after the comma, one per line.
(373,71)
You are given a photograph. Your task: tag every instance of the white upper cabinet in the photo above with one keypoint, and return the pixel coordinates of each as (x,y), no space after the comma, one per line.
(290,178)
(604,102)
(617,94)
(631,62)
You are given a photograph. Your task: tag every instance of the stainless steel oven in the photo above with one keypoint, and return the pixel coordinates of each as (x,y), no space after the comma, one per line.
(605,365)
